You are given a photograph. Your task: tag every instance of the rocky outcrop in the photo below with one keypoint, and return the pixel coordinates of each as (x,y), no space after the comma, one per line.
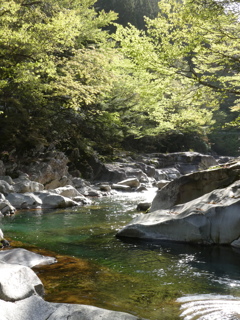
(36,308)
(184,162)
(213,218)
(194,185)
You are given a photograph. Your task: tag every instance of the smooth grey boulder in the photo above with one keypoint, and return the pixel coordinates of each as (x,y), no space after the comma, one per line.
(25,257)
(213,218)
(67,191)
(185,162)
(23,185)
(194,185)
(5,187)
(36,308)
(167,174)
(53,201)
(121,187)
(18,282)
(24,200)
(131,182)
(5,206)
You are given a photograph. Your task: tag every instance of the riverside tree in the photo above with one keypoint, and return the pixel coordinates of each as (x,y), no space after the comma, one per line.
(53,72)
(191,51)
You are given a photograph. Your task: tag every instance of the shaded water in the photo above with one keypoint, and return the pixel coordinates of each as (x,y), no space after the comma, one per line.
(142,278)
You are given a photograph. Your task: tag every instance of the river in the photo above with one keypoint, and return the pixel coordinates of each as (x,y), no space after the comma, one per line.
(96,268)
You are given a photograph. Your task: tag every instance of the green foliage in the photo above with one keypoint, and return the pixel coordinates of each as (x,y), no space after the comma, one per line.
(190,54)
(50,61)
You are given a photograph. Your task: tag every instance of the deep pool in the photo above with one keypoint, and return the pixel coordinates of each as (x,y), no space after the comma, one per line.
(142,278)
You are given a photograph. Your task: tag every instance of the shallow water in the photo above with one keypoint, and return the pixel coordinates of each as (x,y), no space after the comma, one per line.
(142,278)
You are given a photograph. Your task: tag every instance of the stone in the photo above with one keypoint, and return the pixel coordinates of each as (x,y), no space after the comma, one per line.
(143,206)
(162,183)
(36,308)
(5,187)
(24,200)
(213,218)
(105,187)
(5,207)
(18,282)
(23,185)
(167,174)
(131,182)
(120,187)
(194,185)
(54,201)
(25,257)
(67,191)
(185,162)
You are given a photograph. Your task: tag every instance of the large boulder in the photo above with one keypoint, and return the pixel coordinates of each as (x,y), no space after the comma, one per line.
(131,182)
(54,201)
(213,218)
(18,282)
(25,257)
(36,308)
(184,162)
(5,187)
(23,184)
(194,185)
(5,206)
(24,200)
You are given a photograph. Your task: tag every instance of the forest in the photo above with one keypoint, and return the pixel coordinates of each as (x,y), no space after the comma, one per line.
(95,77)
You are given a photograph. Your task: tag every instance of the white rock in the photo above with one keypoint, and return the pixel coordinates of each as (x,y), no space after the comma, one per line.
(131,182)
(35,308)
(6,207)
(24,257)
(24,200)
(5,187)
(67,191)
(18,282)
(56,201)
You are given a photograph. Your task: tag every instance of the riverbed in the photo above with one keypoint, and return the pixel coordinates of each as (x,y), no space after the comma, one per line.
(96,268)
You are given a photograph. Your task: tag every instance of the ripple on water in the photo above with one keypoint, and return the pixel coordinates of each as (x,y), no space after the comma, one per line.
(210,307)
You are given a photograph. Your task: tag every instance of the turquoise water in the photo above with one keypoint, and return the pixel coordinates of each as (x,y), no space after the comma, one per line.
(142,278)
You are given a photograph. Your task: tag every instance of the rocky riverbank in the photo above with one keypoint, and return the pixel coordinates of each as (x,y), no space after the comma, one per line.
(180,177)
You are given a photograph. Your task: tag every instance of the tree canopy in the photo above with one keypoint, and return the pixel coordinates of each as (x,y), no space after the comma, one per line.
(65,80)
(191,51)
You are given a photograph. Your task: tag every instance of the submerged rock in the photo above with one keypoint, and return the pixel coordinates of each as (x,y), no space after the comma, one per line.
(211,219)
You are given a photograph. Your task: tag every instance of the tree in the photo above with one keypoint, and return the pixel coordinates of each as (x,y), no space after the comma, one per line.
(51,64)
(191,50)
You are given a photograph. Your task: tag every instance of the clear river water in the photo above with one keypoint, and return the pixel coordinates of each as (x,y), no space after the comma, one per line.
(94,267)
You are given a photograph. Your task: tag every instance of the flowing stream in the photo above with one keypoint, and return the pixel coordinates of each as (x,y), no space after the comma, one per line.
(151,280)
